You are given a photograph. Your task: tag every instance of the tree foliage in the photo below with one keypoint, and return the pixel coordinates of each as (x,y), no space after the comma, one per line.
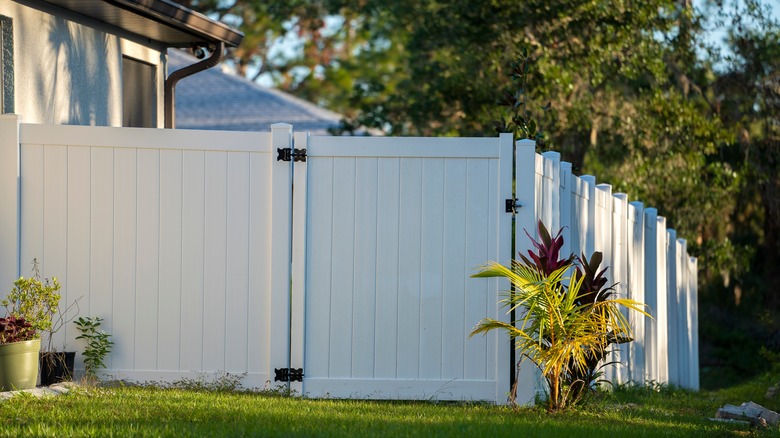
(637,93)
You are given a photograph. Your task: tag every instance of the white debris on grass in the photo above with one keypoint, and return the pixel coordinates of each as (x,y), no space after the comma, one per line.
(53,390)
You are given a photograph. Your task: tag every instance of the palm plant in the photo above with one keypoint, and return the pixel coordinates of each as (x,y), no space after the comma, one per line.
(559,331)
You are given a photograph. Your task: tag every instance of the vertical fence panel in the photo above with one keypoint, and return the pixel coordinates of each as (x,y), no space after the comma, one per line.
(620,276)
(682,314)
(319,248)
(540,197)
(237,262)
(169,302)
(387,269)
(636,271)
(456,328)
(589,188)
(409,261)
(477,203)
(342,292)
(299,237)
(693,323)
(215,252)
(565,211)
(651,292)
(552,191)
(79,238)
(55,227)
(603,242)
(279,237)
(125,238)
(364,301)
(662,296)
(193,292)
(33,208)
(102,239)
(673,348)
(147,275)
(432,265)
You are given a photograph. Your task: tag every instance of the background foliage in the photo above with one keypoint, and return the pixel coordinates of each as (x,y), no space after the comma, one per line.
(675,102)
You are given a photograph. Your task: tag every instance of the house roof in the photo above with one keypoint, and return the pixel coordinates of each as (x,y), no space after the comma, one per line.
(213,99)
(163,21)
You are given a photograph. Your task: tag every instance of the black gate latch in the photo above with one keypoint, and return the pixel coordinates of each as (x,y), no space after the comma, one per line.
(290,154)
(511,205)
(288,374)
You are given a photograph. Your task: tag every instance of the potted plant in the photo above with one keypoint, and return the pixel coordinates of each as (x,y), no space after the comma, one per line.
(57,366)
(35,304)
(29,307)
(19,349)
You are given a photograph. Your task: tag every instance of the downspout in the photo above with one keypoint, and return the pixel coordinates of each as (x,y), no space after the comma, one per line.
(175,77)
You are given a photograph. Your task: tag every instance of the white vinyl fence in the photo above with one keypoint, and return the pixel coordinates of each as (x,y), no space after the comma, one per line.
(648,261)
(205,254)
(175,239)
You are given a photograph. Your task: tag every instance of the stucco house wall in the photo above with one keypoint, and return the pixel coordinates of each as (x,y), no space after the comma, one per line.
(68,68)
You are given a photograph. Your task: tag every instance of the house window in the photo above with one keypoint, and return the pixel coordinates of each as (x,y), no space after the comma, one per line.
(139,91)
(6,65)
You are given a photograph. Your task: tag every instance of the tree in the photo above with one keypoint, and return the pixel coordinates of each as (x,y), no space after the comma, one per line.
(634,93)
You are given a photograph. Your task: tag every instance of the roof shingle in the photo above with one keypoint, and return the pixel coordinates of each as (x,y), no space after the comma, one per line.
(213,99)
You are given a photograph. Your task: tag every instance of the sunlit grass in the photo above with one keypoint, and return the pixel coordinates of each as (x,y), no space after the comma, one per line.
(138,411)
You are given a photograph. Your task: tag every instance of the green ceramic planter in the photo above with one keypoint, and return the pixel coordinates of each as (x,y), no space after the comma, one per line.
(19,365)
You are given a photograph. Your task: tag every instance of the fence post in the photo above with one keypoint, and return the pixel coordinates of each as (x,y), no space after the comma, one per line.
(673,331)
(281,226)
(621,276)
(636,273)
(603,242)
(683,329)
(298,302)
(10,200)
(529,381)
(662,297)
(565,210)
(590,232)
(693,321)
(651,292)
(551,213)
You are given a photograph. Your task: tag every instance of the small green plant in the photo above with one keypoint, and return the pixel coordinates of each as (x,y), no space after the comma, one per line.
(34,300)
(519,119)
(98,344)
(221,381)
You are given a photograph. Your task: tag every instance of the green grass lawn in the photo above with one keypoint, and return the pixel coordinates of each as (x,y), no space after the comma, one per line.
(139,411)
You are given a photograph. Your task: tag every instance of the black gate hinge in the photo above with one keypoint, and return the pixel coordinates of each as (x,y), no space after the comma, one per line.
(511,205)
(288,374)
(290,154)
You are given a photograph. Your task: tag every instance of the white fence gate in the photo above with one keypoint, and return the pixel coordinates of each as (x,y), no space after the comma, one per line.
(204,253)
(395,227)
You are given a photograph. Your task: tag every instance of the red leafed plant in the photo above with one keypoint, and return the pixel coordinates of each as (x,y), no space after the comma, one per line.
(13,329)
(548,250)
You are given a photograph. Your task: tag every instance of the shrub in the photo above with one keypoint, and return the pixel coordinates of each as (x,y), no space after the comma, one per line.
(566,323)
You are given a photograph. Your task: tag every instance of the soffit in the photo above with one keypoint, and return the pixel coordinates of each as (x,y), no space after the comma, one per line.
(163,21)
